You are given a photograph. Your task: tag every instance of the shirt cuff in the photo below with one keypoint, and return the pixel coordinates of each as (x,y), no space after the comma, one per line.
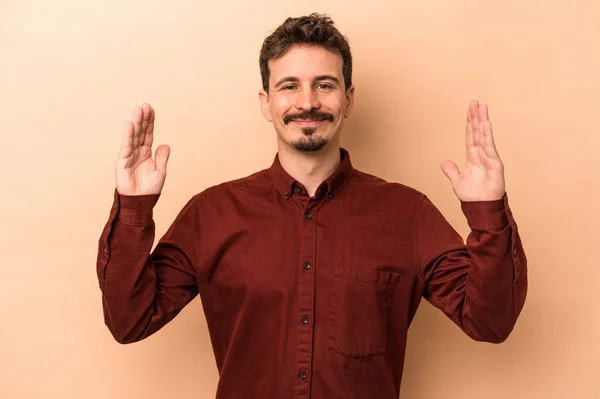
(487,215)
(135,209)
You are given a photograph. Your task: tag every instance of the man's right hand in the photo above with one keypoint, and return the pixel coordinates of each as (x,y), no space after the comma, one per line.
(136,172)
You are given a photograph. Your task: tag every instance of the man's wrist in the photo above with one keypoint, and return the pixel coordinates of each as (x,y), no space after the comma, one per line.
(486,215)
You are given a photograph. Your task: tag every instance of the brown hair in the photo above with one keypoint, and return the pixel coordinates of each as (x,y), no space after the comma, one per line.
(314,29)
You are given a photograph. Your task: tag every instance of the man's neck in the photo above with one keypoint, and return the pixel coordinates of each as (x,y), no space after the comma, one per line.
(310,168)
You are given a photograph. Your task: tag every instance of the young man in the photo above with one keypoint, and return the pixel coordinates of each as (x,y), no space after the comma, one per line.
(310,271)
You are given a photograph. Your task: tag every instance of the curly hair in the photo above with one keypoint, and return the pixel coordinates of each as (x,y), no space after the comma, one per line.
(314,29)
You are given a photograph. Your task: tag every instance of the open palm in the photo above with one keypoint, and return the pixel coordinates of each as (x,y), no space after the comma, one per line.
(483,176)
(136,172)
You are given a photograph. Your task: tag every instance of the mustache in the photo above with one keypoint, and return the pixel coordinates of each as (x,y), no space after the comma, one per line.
(312,114)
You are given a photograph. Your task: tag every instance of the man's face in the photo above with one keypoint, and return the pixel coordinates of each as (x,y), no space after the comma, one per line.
(307,100)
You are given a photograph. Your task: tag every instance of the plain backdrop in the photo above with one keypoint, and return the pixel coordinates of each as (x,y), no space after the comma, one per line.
(72,71)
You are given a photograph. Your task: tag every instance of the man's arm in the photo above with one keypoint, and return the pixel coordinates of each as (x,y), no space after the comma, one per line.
(482,285)
(144,290)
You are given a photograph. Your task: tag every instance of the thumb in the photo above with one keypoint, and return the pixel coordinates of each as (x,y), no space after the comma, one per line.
(161,157)
(451,171)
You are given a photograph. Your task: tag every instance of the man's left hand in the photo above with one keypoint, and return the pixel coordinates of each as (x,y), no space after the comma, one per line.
(483,176)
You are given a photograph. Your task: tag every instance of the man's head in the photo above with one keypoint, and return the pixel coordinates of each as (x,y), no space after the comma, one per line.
(306,69)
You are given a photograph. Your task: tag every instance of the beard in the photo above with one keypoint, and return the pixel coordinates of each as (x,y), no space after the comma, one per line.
(309,142)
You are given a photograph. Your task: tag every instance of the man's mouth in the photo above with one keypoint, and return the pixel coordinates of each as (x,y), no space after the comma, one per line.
(310,118)
(307,122)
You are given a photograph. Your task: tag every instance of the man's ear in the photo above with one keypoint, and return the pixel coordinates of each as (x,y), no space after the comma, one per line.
(263,98)
(349,101)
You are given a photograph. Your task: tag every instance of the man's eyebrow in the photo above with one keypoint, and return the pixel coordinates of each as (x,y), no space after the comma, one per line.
(287,79)
(328,77)
(292,79)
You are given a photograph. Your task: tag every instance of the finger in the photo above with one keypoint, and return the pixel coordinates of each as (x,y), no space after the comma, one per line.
(483,117)
(474,109)
(451,171)
(161,157)
(149,137)
(489,144)
(137,126)
(483,112)
(469,131)
(146,111)
(127,143)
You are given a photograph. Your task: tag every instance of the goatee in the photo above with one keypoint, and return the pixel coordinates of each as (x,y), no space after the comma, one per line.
(309,143)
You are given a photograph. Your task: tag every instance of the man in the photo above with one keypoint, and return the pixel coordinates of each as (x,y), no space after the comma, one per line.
(310,271)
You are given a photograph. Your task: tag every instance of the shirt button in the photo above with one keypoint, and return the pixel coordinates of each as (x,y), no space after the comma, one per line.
(307,266)
(286,193)
(115,206)
(308,215)
(304,320)
(298,190)
(302,374)
(106,249)
(330,195)
(514,251)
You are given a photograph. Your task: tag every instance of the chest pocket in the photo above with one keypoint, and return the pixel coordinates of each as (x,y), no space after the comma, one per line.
(359,311)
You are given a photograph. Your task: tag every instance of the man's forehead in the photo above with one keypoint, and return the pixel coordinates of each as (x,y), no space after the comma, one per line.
(306,62)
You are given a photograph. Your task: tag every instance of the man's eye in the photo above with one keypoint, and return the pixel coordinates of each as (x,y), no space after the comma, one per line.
(325,86)
(288,87)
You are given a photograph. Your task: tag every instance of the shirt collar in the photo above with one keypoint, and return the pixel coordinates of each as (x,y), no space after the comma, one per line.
(332,185)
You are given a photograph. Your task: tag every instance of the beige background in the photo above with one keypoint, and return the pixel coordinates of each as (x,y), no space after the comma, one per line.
(71,72)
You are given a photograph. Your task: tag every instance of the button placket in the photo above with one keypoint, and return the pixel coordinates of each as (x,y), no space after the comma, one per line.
(305,307)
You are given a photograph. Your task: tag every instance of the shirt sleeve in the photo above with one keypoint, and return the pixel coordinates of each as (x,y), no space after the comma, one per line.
(142,290)
(481,285)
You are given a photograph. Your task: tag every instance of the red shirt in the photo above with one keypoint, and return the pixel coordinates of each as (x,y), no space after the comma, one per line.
(310,297)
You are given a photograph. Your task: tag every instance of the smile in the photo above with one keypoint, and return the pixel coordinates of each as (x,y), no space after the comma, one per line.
(307,122)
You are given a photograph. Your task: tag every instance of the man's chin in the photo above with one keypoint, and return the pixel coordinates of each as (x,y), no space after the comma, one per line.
(310,145)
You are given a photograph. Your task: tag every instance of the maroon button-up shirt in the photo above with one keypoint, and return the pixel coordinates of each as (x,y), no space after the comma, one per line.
(310,297)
